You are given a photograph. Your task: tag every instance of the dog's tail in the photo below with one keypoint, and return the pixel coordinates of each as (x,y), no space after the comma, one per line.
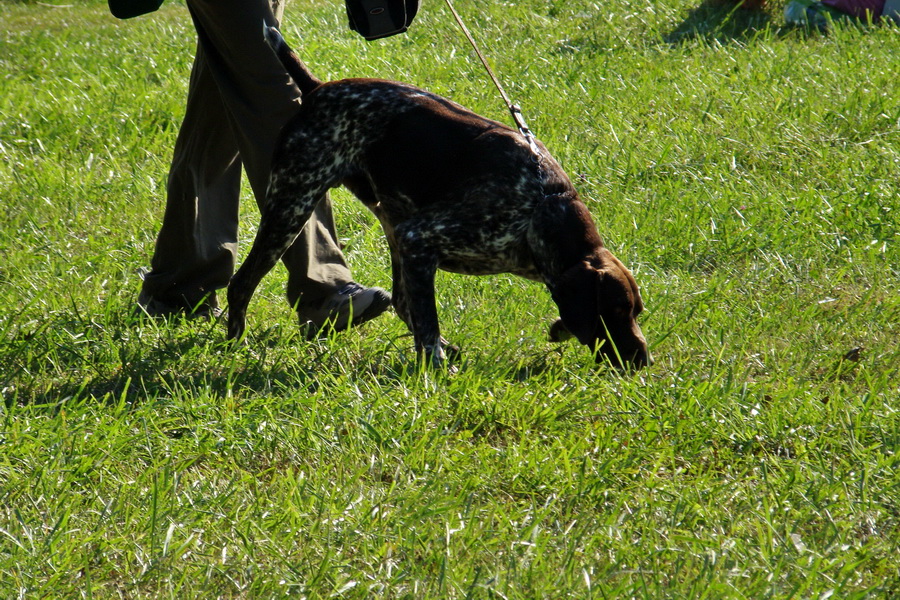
(301,75)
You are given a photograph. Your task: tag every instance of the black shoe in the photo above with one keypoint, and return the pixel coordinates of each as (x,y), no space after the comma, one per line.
(351,305)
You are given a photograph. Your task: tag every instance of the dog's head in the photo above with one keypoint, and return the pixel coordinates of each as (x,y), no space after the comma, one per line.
(599,302)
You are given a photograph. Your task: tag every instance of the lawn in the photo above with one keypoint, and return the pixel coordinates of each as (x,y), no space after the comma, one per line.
(748,174)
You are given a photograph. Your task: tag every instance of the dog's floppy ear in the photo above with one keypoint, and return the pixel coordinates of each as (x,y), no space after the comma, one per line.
(576,294)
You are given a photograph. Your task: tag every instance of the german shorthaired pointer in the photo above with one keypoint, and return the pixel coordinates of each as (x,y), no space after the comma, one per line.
(453,190)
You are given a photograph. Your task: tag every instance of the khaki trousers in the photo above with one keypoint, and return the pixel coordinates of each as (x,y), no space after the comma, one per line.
(238,100)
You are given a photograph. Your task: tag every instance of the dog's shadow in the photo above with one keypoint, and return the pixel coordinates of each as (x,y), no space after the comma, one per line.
(719,20)
(156,360)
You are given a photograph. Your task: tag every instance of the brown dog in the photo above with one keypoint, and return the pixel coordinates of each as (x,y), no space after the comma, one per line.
(453,190)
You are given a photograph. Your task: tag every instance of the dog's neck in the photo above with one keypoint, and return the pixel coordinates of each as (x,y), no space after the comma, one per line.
(555,252)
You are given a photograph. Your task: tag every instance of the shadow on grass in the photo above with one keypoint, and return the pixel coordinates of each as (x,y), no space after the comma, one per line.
(719,20)
(725,21)
(128,359)
(156,377)
(116,358)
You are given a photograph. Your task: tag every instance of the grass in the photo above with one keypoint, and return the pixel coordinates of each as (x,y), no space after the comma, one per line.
(747,174)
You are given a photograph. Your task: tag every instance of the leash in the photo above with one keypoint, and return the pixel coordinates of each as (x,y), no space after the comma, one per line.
(514,109)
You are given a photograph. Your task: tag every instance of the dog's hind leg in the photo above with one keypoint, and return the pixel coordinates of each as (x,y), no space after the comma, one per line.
(295,188)
(283,218)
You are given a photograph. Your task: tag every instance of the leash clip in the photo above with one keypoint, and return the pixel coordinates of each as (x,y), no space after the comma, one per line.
(514,109)
(526,132)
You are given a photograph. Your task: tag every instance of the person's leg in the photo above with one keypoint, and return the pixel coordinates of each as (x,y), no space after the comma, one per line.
(196,245)
(258,98)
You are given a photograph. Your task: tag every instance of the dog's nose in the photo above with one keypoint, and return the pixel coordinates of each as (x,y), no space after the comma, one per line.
(642,359)
(638,359)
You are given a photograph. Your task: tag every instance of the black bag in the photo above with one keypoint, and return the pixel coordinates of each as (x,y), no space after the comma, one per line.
(375,19)
(125,9)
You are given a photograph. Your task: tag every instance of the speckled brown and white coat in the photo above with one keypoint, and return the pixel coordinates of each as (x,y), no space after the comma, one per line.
(453,191)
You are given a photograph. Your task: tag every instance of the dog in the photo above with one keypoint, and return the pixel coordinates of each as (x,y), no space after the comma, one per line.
(452,190)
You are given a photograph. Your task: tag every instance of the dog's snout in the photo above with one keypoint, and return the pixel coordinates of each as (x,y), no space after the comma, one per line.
(632,356)
(641,358)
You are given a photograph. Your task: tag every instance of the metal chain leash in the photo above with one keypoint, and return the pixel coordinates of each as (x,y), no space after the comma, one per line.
(514,109)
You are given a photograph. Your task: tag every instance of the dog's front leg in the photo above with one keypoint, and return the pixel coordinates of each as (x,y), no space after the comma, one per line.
(399,297)
(401,301)
(417,273)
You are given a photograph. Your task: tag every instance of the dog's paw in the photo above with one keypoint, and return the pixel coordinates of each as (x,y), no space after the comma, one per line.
(440,357)
(558,332)
(451,351)
(236,330)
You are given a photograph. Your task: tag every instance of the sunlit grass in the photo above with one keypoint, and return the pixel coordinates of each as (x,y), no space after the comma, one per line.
(745,172)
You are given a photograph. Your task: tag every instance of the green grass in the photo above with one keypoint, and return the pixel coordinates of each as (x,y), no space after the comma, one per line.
(748,174)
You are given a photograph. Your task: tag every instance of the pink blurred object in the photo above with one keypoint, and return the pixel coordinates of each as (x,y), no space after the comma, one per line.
(858,8)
